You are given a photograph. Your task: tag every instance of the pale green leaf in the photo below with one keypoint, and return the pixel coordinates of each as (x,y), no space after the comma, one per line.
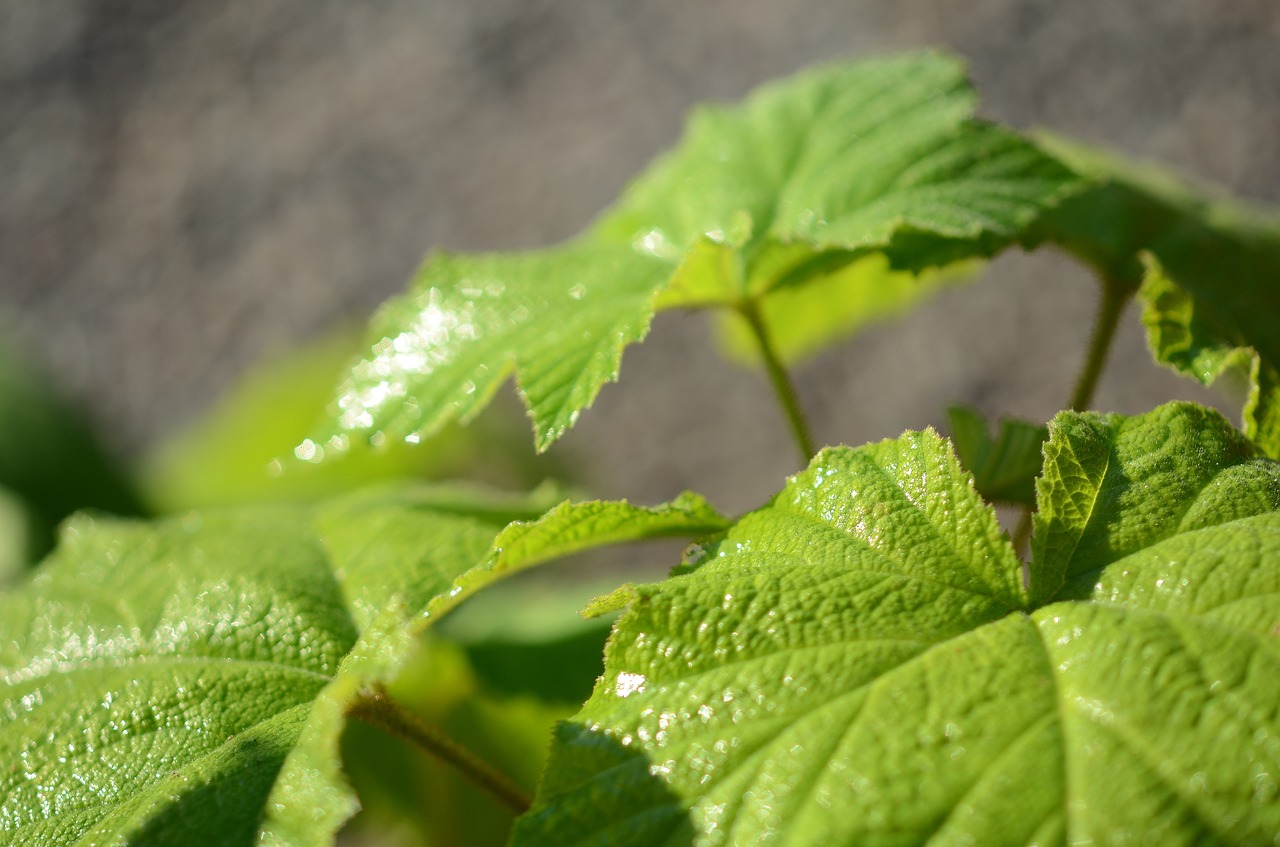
(860,662)
(1210,290)
(187,681)
(240,451)
(799,180)
(805,319)
(1004,468)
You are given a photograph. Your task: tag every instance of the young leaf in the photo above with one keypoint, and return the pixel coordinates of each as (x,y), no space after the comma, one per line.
(858,662)
(1211,279)
(799,180)
(187,681)
(1004,469)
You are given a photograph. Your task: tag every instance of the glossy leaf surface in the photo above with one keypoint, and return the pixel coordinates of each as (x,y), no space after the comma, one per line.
(238,452)
(188,681)
(1005,467)
(1210,281)
(799,180)
(862,661)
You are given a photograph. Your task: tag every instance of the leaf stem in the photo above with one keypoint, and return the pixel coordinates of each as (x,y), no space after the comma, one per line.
(1114,299)
(783,387)
(378,709)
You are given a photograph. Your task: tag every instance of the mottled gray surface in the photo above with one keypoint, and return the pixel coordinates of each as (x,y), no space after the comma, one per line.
(187,185)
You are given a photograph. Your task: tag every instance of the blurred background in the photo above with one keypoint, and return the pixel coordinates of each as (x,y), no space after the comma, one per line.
(201,203)
(189,188)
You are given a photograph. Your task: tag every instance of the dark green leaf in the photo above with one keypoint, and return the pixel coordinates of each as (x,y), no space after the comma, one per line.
(1210,291)
(51,464)
(1004,469)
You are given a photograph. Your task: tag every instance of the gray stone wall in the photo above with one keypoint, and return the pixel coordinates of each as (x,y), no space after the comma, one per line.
(186,186)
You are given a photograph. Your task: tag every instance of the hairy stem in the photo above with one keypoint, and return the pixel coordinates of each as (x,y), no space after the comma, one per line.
(780,379)
(378,709)
(1114,299)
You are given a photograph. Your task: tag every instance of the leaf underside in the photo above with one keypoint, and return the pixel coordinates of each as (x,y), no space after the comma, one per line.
(187,681)
(1206,270)
(787,188)
(864,661)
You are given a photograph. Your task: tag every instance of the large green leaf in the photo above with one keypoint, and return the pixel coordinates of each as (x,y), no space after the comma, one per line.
(1210,289)
(790,186)
(187,681)
(865,661)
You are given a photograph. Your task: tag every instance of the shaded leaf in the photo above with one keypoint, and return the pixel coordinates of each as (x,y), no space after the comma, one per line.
(187,681)
(1211,279)
(805,319)
(1004,468)
(862,662)
(799,180)
(51,464)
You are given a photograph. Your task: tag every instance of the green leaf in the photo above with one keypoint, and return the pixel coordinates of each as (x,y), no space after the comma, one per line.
(51,464)
(1113,486)
(1210,282)
(859,662)
(1004,468)
(235,453)
(798,181)
(187,681)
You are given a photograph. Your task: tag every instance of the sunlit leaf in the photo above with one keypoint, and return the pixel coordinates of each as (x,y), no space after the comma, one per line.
(240,450)
(801,179)
(865,661)
(188,681)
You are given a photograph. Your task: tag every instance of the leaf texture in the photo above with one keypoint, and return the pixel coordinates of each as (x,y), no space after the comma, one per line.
(865,661)
(187,681)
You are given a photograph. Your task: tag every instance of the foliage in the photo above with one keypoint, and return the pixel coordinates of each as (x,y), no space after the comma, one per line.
(865,659)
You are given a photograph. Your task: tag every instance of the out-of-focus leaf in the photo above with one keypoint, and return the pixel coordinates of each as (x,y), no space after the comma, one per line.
(1210,289)
(241,451)
(801,179)
(1004,468)
(805,319)
(51,464)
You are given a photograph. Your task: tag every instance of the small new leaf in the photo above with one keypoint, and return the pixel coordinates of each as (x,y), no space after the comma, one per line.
(792,185)
(863,661)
